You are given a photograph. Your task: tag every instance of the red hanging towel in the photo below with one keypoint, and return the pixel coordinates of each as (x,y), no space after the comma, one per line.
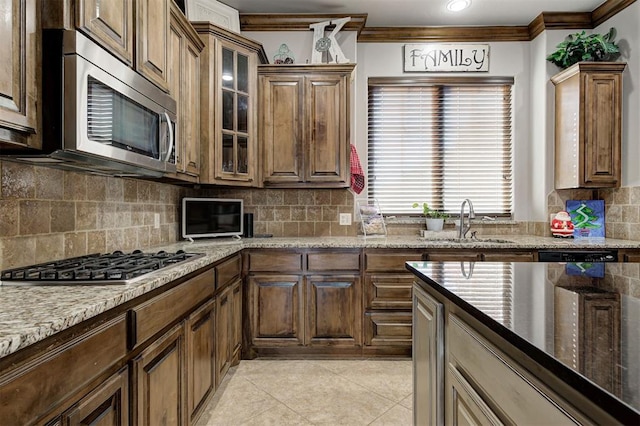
(357,174)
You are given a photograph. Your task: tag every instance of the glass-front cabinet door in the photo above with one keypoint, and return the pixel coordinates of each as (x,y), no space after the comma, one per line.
(236,156)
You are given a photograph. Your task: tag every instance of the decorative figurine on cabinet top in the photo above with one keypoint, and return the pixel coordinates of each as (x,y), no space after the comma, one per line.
(561,225)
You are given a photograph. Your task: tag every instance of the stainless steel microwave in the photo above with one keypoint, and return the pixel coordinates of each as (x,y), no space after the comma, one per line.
(99,114)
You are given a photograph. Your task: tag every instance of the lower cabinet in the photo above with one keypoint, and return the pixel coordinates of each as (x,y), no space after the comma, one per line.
(201,368)
(428,359)
(223,346)
(236,322)
(159,381)
(107,405)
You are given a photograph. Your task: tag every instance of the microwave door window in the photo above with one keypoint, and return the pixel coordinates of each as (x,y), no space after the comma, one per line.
(121,122)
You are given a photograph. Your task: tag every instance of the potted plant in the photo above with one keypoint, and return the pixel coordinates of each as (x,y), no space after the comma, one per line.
(434,219)
(580,47)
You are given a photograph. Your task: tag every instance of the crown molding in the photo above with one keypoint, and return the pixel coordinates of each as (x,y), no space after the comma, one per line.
(297,22)
(544,21)
(442,34)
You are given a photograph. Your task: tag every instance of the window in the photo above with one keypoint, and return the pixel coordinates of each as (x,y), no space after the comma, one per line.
(440,140)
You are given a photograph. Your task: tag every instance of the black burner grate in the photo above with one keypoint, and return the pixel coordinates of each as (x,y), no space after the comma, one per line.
(111,267)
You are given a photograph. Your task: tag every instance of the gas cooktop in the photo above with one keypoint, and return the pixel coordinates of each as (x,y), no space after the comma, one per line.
(110,268)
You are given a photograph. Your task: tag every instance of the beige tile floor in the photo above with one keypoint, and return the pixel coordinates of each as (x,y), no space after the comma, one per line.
(313,392)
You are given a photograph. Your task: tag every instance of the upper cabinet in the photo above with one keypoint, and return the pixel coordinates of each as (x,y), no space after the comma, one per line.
(304,125)
(228,107)
(184,86)
(110,23)
(588,125)
(152,35)
(20,74)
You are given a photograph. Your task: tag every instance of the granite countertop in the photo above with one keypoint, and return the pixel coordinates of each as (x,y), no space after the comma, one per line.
(29,314)
(546,310)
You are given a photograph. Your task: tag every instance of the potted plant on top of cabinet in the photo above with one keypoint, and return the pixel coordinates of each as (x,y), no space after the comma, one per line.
(588,122)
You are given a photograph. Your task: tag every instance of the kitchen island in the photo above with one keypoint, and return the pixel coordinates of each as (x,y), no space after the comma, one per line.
(512,342)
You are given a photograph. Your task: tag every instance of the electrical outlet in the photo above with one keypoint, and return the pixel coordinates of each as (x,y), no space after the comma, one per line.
(156,220)
(345,218)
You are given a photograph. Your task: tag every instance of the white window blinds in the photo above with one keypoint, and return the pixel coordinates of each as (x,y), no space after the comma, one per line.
(440,140)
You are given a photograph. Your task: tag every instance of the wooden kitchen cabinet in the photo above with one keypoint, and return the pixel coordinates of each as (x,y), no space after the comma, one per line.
(20,75)
(588,125)
(236,322)
(228,107)
(107,405)
(184,86)
(159,381)
(152,37)
(333,310)
(223,335)
(109,23)
(201,366)
(387,301)
(304,302)
(304,125)
(428,359)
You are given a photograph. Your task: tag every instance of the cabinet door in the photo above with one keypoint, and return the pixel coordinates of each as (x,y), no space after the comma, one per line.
(467,407)
(276,310)
(223,344)
(327,129)
(110,23)
(236,321)
(281,128)
(602,121)
(235,157)
(159,383)
(19,73)
(184,86)
(334,310)
(152,36)
(428,359)
(107,405)
(201,356)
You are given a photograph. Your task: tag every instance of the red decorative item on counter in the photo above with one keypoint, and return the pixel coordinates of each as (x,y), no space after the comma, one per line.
(561,225)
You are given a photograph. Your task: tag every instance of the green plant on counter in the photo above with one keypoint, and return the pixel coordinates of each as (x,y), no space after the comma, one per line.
(582,47)
(431,213)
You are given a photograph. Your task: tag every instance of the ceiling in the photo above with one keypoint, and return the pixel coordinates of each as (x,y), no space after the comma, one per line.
(421,13)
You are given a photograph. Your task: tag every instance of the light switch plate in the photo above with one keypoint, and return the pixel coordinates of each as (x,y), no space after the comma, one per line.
(345,218)
(156,220)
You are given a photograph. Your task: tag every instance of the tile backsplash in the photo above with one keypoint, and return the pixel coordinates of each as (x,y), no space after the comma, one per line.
(48,214)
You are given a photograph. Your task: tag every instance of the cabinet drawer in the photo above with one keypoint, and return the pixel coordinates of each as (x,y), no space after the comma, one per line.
(518,396)
(42,383)
(390,262)
(453,255)
(275,262)
(333,261)
(392,328)
(388,291)
(228,271)
(513,256)
(152,316)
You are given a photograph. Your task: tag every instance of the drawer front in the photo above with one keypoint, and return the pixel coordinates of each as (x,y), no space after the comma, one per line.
(333,261)
(275,262)
(388,291)
(390,262)
(46,381)
(157,313)
(453,255)
(228,271)
(387,329)
(525,256)
(517,396)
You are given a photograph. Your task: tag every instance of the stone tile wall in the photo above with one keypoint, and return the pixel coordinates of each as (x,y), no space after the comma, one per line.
(295,212)
(48,214)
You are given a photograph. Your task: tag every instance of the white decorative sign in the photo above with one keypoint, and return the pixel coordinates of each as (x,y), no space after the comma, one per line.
(446,57)
(329,43)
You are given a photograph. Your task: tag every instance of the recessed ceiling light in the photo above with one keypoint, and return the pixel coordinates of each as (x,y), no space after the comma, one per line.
(458,5)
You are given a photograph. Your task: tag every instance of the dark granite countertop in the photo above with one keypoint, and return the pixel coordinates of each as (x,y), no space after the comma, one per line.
(547,311)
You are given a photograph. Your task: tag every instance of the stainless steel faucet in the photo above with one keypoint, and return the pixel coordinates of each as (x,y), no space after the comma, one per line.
(462,233)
